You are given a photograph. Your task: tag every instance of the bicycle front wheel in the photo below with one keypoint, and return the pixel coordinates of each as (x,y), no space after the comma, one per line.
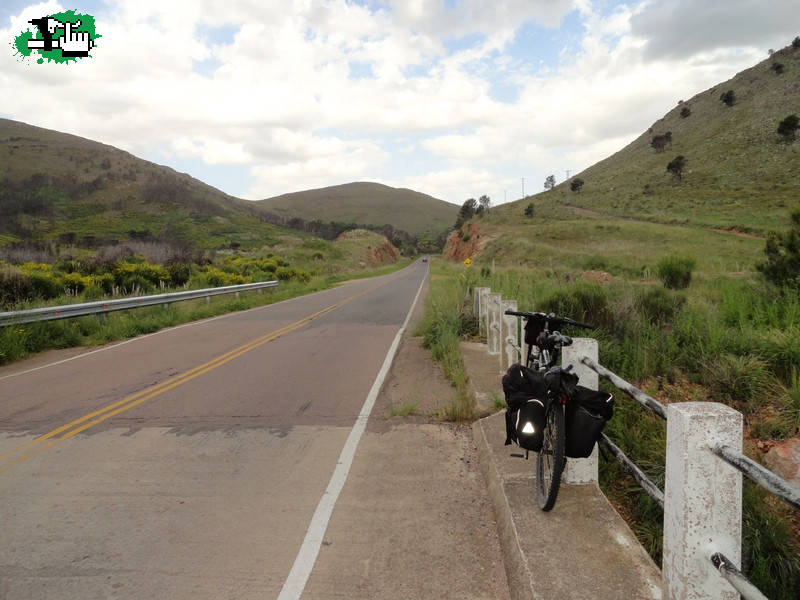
(550,462)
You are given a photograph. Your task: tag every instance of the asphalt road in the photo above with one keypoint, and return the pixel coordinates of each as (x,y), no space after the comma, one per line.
(189,463)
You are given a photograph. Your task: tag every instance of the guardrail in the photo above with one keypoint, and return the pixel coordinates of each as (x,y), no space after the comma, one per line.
(702,499)
(103,306)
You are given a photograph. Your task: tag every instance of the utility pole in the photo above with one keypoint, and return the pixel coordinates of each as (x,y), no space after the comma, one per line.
(567,172)
(523,186)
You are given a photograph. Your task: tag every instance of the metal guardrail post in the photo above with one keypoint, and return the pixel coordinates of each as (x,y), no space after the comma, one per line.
(494,316)
(509,335)
(582,470)
(702,500)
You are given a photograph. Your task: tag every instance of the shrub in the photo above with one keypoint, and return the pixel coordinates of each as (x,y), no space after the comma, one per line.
(788,128)
(676,167)
(728,98)
(657,305)
(529,210)
(778,68)
(796,42)
(743,382)
(14,286)
(139,276)
(675,271)
(685,112)
(583,301)
(45,285)
(75,283)
(576,184)
(782,266)
(178,273)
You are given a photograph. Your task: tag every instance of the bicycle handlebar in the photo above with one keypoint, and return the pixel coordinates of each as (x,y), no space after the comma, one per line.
(551,317)
(559,338)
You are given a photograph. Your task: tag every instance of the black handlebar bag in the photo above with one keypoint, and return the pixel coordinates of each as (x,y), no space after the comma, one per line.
(587,413)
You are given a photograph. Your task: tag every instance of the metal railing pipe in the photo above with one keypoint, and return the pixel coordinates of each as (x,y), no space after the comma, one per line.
(50,313)
(736,578)
(647,401)
(758,474)
(647,485)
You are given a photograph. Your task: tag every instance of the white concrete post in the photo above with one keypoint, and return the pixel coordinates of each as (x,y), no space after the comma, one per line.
(481,310)
(494,310)
(509,335)
(582,470)
(702,501)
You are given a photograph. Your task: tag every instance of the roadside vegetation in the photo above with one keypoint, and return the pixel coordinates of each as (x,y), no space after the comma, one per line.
(449,319)
(683,329)
(31,277)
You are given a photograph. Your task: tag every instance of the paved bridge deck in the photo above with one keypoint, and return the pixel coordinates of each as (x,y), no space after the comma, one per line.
(580,549)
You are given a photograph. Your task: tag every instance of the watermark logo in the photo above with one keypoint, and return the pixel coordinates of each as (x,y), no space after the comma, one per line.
(60,37)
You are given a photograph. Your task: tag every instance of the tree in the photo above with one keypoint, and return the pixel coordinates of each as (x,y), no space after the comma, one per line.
(659,142)
(529,210)
(550,182)
(729,97)
(685,112)
(676,167)
(484,202)
(788,128)
(782,266)
(796,42)
(466,212)
(576,184)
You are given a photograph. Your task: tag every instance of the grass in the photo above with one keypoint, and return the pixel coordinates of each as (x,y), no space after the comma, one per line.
(726,338)
(406,409)
(442,329)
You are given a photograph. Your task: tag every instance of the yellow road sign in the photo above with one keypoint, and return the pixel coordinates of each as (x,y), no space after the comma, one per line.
(468,262)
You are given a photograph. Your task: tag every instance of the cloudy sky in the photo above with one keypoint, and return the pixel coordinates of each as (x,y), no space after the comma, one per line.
(454,98)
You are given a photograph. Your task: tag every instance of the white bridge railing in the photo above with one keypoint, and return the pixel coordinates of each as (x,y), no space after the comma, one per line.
(702,499)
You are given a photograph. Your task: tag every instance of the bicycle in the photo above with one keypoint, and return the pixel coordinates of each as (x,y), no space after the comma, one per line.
(544,350)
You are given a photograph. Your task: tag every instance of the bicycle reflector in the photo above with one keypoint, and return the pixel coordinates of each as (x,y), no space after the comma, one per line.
(528,427)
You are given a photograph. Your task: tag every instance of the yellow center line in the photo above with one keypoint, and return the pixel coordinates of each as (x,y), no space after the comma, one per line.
(91,419)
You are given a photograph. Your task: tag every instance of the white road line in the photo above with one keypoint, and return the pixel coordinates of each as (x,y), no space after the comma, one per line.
(301,570)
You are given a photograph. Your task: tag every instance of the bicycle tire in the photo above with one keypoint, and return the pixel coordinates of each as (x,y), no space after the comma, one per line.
(550,460)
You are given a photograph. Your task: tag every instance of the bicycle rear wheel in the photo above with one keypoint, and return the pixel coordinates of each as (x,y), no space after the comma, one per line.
(550,462)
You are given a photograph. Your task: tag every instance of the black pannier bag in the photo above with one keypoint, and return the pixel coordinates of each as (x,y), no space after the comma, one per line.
(587,414)
(520,385)
(529,425)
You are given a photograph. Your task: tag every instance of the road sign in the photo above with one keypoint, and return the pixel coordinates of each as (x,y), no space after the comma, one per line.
(468,262)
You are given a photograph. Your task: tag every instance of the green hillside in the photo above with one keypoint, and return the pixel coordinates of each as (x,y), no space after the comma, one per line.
(60,187)
(666,268)
(368,204)
(738,174)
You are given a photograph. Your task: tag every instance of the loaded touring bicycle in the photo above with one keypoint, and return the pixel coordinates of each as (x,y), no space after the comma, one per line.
(548,412)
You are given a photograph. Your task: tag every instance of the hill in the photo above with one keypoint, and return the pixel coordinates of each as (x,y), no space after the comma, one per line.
(738,173)
(740,181)
(366,203)
(60,187)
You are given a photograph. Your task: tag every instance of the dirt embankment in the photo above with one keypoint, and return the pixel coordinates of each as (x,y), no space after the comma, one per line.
(464,243)
(382,255)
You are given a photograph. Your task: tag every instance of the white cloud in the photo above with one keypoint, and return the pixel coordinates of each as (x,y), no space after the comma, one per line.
(682,28)
(282,101)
